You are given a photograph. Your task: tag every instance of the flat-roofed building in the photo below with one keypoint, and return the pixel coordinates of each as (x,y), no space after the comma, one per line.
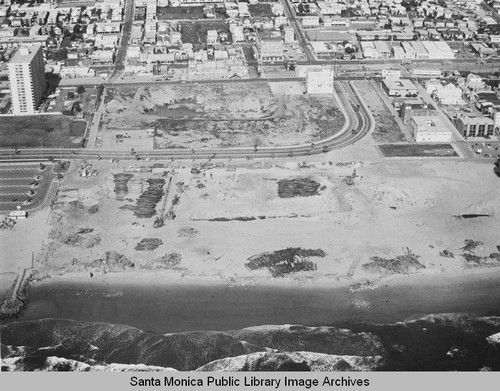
(27,79)
(399,87)
(270,48)
(429,129)
(474,126)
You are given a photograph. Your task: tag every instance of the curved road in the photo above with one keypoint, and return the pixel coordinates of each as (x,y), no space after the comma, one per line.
(359,122)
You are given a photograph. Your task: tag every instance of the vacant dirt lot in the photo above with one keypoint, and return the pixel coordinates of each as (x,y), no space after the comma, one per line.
(41,131)
(219,220)
(218,115)
(386,129)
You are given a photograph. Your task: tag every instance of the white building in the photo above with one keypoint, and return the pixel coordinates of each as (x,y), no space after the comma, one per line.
(429,129)
(212,37)
(448,94)
(237,33)
(27,79)
(319,81)
(289,34)
(391,73)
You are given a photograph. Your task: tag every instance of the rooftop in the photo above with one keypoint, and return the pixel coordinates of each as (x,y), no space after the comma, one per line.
(25,53)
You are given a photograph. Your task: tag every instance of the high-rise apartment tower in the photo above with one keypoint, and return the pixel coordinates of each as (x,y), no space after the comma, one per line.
(27,79)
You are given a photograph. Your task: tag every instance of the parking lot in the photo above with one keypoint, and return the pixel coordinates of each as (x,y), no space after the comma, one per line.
(25,185)
(486,149)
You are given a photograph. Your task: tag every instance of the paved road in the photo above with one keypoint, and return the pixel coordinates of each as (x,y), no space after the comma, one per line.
(359,122)
(299,33)
(121,53)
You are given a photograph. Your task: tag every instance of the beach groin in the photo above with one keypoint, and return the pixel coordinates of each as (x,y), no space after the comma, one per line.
(18,297)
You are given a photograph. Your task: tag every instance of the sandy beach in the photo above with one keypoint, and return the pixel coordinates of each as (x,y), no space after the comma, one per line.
(227,220)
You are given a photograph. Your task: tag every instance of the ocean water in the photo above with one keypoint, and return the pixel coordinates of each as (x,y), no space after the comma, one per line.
(177,308)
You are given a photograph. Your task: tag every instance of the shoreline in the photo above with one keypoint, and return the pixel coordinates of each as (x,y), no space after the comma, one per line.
(160,277)
(151,302)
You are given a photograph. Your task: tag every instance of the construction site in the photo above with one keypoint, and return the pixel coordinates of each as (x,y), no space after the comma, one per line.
(217,115)
(324,222)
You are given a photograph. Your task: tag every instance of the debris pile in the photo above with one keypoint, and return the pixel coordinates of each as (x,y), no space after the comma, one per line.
(112,261)
(471,245)
(85,169)
(81,238)
(148,244)
(447,254)
(402,264)
(7,223)
(93,209)
(121,182)
(300,187)
(187,232)
(167,261)
(283,262)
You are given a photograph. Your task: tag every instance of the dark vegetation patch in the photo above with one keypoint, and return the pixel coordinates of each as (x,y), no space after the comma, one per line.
(148,244)
(260,10)
(299,187)
(172,13)
(121,182)
(196,32)
(286,261)
(418,150)
(62,167)
(40,131)
(402,264)
(147,201)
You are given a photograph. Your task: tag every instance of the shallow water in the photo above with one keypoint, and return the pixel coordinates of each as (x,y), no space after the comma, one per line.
(183,307)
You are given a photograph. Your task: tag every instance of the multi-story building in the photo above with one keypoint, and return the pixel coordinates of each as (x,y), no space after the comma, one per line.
(415,108)
(399,87)
(429,129)
(270,48)
(474,126)
(27,79)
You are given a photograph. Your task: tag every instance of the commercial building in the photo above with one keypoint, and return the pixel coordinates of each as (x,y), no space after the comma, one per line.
(391,73)
(399,87)
(27,79)
(415,108)
(429,129)
(319,81)
(474,126)
(270,48)
(289,34)
(424,73)
(448,94)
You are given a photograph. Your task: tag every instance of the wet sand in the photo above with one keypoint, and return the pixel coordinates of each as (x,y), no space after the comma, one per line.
(155,302)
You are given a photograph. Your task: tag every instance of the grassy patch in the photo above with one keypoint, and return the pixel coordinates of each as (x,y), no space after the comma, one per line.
(173,13)
(196,33)
(260,10)
(41,131)
(418,150)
